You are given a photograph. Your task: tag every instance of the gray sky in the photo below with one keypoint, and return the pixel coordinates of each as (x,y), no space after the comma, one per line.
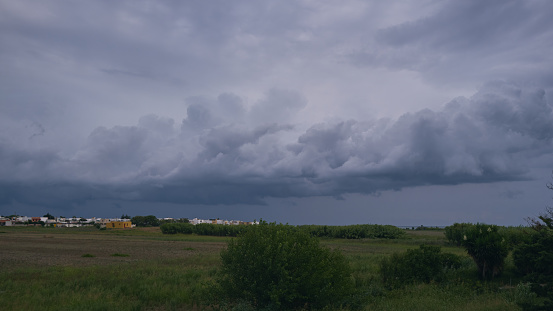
(326,112)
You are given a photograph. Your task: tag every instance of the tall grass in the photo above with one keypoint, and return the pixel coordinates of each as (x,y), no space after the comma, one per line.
(164,285)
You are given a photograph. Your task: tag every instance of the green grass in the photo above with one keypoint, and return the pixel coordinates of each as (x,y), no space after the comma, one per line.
(120,255)
(181,283)
(432,297)
(157,285)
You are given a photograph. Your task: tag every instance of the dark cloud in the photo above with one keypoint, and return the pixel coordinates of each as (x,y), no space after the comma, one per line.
(247,103)
(469,40)
(490,137)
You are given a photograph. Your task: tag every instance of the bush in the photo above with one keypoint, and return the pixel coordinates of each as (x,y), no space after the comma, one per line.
(515,236)
(455,233)
(281,267)
(423,265)
(534,260)
(487,248)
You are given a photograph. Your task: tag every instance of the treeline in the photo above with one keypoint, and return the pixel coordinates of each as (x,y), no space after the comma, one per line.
(337,232)
(355,231)
(511,236)
(203,229)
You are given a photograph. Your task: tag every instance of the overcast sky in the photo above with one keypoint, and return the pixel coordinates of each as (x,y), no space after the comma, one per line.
(328,112)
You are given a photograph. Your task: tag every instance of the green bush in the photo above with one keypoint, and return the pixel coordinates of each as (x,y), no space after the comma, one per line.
(280,267)
(516,235)
(423,265)
(455,233)
(487,248)
(534,261)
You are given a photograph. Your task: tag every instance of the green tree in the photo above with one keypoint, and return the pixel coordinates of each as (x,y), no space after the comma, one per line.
(145,221)
(49,216)
(487,248)
(534,260)
(280,267)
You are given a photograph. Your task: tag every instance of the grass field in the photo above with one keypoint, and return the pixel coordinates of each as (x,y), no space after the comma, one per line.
(142,269)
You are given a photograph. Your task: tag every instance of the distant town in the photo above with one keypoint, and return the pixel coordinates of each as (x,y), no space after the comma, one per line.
(123,222)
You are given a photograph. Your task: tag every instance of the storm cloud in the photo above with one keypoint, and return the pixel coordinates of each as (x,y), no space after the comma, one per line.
(489,137)
(204,105)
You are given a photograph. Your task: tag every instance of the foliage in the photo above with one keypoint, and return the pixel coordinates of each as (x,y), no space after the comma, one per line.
(355,231)
(174,228)
(221,230)
(487,248)
(421,228)
(337,232)
(277,266)
(145,221)
(49,216)
(456,232)
(534,260)
(425,264)
(516,235)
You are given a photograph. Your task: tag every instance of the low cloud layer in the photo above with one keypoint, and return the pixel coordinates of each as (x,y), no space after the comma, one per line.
(207,159)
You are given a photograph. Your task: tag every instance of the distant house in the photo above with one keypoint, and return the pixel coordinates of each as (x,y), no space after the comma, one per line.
(119,225)
(5,222)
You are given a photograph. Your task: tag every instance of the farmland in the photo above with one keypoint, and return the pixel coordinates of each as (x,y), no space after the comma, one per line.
(143,269)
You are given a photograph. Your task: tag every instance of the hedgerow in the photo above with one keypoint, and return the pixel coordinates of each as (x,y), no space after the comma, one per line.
(337,232)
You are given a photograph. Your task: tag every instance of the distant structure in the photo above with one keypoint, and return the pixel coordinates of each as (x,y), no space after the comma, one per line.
(197,221)
(108,223)
(119,224)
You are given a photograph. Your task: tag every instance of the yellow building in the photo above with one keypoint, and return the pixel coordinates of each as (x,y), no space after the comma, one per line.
(119,225)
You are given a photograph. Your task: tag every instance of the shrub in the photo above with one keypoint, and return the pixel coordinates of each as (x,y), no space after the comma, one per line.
(516,235)
(425,265)
(534,260)
(487,248)
(278,266)
(455,233)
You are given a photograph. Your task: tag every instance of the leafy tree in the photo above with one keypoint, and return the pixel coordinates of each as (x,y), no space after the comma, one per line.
(456,232)
(145,221)
(534,260)
(280,267)
(125,216)
(49,216)
(487,248)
